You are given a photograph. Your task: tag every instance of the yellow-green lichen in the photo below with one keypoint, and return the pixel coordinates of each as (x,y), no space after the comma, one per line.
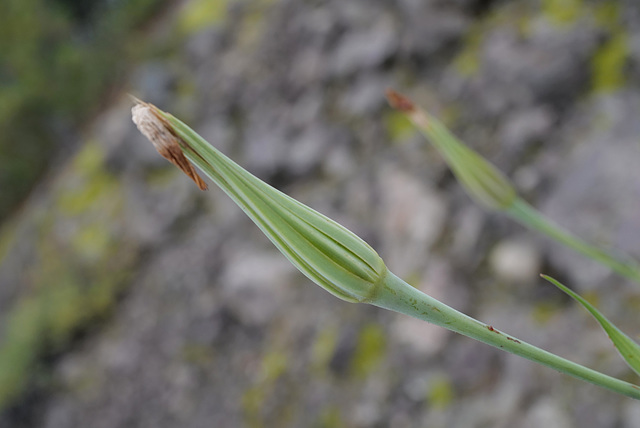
(252,402)
(91,183)
(591,297)
(542,313)
(467,63)
(197,354)
(252,27)
(330,418)
(274,365)
(75,275)
(72,292)
(323,348)
(163,176)
(90,202)
(632,303)
(370,351)
(441,393)
(607,14)
(7,237)
(89,159)
(92,241)
(65,308)
(199,14)
(20,346)
(562,12)
(609,61)
(515,15)
(62,302)
(186,89)
(76,202)
(608,64)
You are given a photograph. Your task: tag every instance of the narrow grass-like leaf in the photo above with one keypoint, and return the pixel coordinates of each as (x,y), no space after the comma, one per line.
(626,346)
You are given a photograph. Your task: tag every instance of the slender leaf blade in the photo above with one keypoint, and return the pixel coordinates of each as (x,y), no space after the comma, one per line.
(626,346)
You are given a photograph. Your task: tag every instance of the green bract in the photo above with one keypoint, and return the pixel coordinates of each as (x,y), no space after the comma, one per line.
(483,181)
(326,252)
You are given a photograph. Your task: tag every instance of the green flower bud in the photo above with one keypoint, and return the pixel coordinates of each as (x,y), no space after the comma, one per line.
(326,252)
(482,181)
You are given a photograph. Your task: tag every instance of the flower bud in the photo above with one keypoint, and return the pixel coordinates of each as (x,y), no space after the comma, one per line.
(326,252)
(482,181)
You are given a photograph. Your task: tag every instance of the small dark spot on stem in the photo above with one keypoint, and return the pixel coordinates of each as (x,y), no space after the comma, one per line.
(512,339)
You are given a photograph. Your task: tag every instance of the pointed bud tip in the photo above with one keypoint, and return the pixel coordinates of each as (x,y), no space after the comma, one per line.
(399,101)
(164,139)
(135,99)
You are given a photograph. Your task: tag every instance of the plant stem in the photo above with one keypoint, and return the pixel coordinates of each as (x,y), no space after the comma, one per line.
(342,263)
(396,295)
(528,216)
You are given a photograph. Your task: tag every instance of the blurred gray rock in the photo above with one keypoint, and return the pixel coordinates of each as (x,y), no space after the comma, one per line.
(207,325)
(414,218)
(432,31)
(598,180)
(516,261)
(631,414)
(522,128)
(255,284)
(550,67)
(546,412)
(365,48)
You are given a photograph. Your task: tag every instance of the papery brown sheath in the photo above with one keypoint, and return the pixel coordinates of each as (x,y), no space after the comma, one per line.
(167,143)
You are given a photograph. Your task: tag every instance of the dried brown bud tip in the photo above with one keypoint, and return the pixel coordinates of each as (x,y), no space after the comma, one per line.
(399,101)
(166,142)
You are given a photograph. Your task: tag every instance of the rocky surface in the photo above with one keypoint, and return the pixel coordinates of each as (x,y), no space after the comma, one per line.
(129,298)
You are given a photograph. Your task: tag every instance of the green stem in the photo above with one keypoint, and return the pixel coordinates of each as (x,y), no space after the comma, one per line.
(528,216)
(396,295)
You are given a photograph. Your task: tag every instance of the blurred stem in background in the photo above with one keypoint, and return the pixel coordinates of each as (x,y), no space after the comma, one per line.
(57,60)
(528,216)
(491,189)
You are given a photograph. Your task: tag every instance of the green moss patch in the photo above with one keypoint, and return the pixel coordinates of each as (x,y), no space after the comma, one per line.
(79,267)
(199,14)
(608,64)
(370,351)
(324,348)
(441,393)
(562,12)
